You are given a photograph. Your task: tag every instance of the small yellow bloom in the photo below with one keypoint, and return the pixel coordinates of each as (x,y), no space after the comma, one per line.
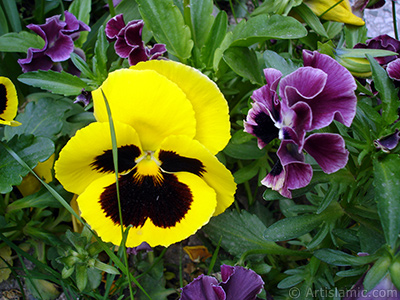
(334,10)
(8,102)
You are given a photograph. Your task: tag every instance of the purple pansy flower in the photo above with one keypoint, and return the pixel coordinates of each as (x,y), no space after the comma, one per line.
(128,40)
(287,108)
(59,37)
(384,42)
(142,247)
(384,290)
(237,283)
(389,142)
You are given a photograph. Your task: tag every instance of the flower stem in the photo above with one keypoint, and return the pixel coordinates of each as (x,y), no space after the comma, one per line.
(396,34)
(111,8)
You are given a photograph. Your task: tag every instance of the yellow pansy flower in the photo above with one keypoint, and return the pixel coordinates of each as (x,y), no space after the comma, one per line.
(8,102)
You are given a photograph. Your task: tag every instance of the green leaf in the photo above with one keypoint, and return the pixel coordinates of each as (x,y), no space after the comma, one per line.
(246,173)
(244,62)
(291,281)
(166,22)
(244,233)
(57,82)
(354,35)
(387,91)
(377,272)
(293,227)
(11,11)
(81,10)
(339,258)
(20,42)
(263,27)
(82,66)
(215,38)
(274,60)
(387,183)
(100,56)
(311,19)
(105,267)
(31,149)
(394,270)
(247,150)
(42,118)
(81,277)
(130,9)
(202,20)
(3,23)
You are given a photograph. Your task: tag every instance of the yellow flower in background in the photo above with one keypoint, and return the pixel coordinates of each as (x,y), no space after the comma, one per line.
(334,10)
(8,102)
(169,121)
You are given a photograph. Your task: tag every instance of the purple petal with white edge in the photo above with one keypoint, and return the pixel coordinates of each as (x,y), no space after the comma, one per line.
(240,283)
(133,33)
(137,55)
(156,51)
(73,25)
(388,142)
(259,123)
(61,49)
(269,99)
(114,26)
(393,69)
(328,150)
(303,84)
(337,100)
(201,288)
(35,61)
(121,47)
(384,42)
(272,76)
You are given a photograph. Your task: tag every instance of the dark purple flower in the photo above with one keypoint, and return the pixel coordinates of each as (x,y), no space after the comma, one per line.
(84,97)
(59,39)
(142,247)
(311,98)
(128,40)
(384,290)
(393,69)
(237,283)
(388,142)
(384,42)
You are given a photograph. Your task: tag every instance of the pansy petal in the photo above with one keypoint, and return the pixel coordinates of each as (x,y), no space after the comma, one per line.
(133,33)
(338,100)
(202,288)
(393,69)
(88,155)
(328,150)
(155,106)
(240,283)
(114,26)
(216,175)
(122,48)
(61,49)
(156,51)
(210,106)
(292,88)
(8,102)
(134,198)
(137,55)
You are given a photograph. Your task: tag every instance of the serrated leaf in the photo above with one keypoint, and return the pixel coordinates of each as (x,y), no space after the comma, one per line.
(166,22)
(100,56)
(387,184)
(20,42)
(244,233)
(57,82)
(31,149)
(244,62)
(202,20)
(263,27)
(82,66)
(215,38)
(387,91)
(293,227)
(42,118)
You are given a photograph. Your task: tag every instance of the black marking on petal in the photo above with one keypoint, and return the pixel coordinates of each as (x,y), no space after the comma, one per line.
(276,169)
(265,129)
(173,162)
(3,98)
(164,200)
(126,159)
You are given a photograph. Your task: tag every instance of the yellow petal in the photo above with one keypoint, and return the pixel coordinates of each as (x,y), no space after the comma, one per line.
(8,102)
(216,175)
(340,13)
(149,102)
(210,106)
(73,168)
(201,210)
